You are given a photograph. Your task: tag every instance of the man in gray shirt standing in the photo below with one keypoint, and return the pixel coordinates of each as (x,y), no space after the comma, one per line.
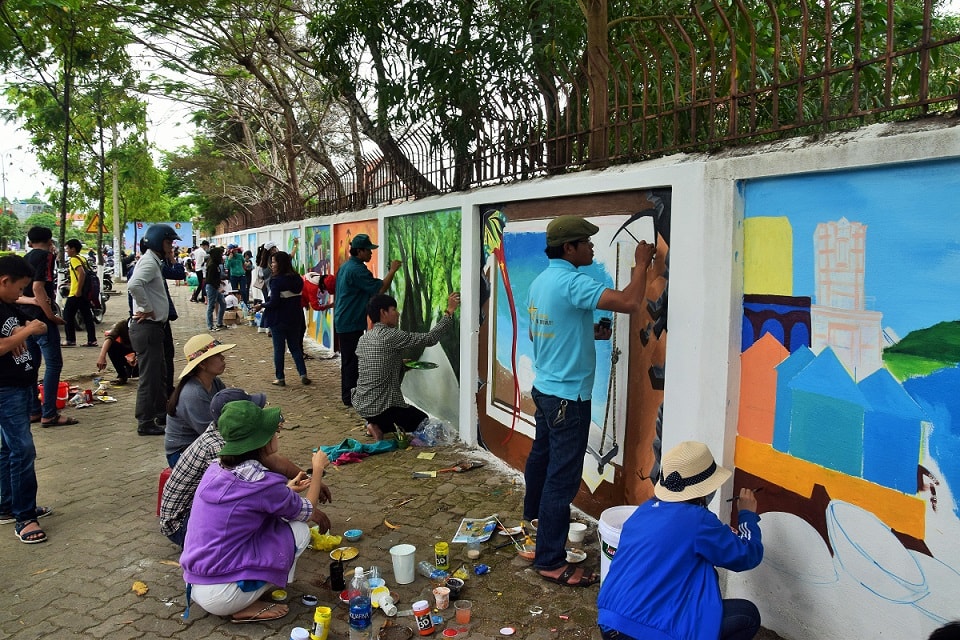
(151,309)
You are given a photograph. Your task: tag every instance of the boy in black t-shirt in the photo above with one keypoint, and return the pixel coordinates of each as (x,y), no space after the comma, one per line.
(18,385)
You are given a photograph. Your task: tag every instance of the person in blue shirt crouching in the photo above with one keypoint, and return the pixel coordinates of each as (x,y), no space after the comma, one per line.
(662,583)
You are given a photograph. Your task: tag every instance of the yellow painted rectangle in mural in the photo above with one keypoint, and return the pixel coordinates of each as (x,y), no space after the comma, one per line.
(901,512)
(768,256)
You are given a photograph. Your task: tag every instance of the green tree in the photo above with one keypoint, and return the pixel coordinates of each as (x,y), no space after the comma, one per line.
(10,230)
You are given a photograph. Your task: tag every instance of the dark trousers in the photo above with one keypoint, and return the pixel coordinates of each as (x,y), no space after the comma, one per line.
(81,304)
(407,418)
(168,360)
(147,339)
(198,292)
(118,357)
(349,370)
(552,473)
(741,621)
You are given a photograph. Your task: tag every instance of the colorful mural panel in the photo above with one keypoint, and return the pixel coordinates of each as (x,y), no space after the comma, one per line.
(291,242)
(318,248)
(623,449)
(849,414)
(429,247)
(344,232)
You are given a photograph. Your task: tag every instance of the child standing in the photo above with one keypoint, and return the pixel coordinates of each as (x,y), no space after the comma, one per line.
(18,385)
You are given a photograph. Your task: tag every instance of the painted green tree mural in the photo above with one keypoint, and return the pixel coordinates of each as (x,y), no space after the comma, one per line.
(429,246)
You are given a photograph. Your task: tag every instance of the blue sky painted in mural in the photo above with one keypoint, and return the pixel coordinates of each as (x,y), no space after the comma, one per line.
(913,233)
(525,260)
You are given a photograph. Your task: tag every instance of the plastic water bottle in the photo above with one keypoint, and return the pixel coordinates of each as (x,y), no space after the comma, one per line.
(361,607)
(429,570)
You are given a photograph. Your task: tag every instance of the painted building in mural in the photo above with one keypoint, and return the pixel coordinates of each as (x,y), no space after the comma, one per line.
(861,449)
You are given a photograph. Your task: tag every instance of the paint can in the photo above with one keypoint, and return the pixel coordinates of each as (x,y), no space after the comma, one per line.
(442,552)
(421,613)
(609,526)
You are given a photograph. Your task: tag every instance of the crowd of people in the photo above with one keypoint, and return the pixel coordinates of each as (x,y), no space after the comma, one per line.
(241,511)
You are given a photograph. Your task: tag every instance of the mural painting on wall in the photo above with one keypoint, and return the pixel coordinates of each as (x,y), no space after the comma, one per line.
(429,246)
(317,249)
(514,238)
(291,244)
(344,232)
(849,411)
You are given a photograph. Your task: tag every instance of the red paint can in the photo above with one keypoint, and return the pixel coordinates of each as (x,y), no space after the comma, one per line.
(88,396)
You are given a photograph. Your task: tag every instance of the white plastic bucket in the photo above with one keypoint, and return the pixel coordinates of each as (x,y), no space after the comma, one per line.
(611,522)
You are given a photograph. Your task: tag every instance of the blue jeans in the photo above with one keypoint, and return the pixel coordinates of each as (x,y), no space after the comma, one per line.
(47,349)
(214,298)
(293,339)
(552,473)
(741,621)
(18,477)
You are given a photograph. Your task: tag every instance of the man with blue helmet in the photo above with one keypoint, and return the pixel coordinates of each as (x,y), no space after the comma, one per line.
(151,315)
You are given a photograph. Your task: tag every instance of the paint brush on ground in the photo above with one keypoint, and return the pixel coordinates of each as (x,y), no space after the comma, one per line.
(735,498)
(507,531)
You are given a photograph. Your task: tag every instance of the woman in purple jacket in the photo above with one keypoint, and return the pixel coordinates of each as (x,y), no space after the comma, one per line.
(662,584)
(247,526)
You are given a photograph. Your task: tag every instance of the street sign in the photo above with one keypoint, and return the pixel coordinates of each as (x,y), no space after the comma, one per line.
(95,223)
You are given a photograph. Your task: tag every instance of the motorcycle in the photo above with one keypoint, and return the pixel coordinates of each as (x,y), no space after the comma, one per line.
(106,283)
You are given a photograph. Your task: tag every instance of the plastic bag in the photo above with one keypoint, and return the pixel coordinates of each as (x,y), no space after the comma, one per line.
(433,433)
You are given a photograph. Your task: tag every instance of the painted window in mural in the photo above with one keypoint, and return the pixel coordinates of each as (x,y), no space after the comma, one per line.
(513,256)
(429,246)
(317,246)
(849,409)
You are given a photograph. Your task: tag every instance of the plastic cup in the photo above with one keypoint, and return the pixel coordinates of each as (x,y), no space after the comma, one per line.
(402,556)
(442,596)
(577,532)
(463,608)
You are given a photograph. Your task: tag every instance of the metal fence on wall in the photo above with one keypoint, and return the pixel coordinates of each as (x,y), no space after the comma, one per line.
(725,73)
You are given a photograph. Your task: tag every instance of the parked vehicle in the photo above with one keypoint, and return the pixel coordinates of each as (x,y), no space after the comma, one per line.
(107,280)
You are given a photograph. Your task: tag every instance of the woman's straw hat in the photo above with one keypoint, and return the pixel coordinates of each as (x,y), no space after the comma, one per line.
(689,471)
(199,348)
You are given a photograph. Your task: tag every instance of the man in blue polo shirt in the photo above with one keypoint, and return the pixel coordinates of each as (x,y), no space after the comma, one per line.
(561,305)
(355,286)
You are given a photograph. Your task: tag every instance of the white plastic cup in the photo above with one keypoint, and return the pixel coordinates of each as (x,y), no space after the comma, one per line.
(442,596)
(403,562)
(577,532)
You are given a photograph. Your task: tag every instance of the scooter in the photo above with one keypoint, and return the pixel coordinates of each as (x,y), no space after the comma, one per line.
(107,282)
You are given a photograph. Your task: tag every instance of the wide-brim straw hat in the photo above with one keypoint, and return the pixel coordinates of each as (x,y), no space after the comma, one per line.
(199,348)
(689,471)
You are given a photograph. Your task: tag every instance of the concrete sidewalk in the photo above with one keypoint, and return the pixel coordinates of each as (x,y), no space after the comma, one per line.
(100,477)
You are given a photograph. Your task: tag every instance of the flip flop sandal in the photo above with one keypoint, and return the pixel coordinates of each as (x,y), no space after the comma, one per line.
(61,421)
(35,418)
(31,537)
(256,617)
(41,512)
(563,578)
(68,344)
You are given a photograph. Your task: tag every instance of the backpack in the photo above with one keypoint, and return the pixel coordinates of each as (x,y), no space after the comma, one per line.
(91,286)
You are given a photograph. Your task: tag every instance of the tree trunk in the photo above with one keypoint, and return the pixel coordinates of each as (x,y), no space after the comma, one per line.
(598,71)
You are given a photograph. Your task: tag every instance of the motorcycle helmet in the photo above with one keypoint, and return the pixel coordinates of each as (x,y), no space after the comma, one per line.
(156,234)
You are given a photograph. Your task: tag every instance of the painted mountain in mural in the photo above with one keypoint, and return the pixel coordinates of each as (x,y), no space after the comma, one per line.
(924,351)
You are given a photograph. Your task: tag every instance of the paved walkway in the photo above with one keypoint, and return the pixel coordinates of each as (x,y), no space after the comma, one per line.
(100,477)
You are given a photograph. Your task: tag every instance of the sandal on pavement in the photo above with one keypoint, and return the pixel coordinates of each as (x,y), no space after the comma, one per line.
(30,537)
(564,578)
(259,617)
(59,421)
(92,344)
(35,418)
(41,512)
(280,382)
(68,344)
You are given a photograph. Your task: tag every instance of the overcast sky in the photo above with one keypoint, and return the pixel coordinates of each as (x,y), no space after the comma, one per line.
(168,128)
